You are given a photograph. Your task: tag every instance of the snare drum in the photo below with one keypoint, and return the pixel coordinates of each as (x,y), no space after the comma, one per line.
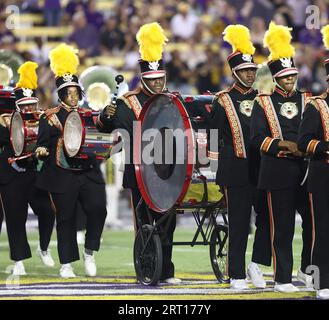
(24,129)
(82,140)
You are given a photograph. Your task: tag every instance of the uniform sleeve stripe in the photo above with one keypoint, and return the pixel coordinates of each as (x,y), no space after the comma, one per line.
(312,146)
(266,144)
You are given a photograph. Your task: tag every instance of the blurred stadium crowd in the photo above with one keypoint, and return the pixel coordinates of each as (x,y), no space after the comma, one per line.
(104,32)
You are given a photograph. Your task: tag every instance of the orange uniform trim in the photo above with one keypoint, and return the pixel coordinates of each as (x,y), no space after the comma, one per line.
(266,144)
(313,223)
(236,130)
(312,146)
(272,229)
(134,104)
(272,119)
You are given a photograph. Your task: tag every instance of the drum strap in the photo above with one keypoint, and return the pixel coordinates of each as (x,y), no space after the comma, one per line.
(238,140)
(53,120)
(52,117)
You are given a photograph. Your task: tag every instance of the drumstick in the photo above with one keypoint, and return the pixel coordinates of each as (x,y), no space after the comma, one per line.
(14,159)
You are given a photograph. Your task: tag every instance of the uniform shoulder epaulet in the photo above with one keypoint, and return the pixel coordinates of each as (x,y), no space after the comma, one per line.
(51,111)
(227,90)
(312,100)
(261,94)
(131,93)
(128,94)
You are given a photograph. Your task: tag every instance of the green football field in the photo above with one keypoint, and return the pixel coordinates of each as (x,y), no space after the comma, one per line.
(116,275)
(116,254)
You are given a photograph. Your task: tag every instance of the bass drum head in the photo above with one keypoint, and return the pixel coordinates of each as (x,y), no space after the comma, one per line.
(73,134)
(17,133)
(164,157)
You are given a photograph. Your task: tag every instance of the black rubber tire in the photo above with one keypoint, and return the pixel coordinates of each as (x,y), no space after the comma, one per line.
(219,253)
(148,267)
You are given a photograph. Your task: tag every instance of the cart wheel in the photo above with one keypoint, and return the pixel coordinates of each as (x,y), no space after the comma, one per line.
(219,253)
(148,263)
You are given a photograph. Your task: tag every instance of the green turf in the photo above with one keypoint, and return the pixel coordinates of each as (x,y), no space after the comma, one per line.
(116,256)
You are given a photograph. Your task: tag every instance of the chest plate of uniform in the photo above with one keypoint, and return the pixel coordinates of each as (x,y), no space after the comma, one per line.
(245,107)
(289,110)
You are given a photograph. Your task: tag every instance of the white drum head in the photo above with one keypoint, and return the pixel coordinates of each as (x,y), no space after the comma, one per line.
(73,134)
(17,133)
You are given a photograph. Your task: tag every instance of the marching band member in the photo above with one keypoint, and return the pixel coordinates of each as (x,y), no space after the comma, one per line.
(231,116)
(314,139)
(17,184)
(274,127)
(69,180)
(153,80)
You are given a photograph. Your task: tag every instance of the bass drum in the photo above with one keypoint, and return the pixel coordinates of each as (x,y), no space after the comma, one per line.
(166,153)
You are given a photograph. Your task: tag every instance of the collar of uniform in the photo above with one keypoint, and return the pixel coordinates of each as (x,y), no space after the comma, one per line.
(284,93)
(242,89)
(67,108)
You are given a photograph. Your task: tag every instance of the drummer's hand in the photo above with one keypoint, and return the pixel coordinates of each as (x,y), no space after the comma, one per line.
(41,152)
(110,110)
(298,154)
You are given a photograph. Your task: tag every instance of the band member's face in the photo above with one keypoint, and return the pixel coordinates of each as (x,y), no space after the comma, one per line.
(31,107)
(156,85)
(248,76)
(287,82)
(72,97)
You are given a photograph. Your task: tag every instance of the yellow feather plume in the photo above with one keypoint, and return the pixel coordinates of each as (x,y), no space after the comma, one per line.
(63,59)
(278,40)
(151,40)
(325,36)
(27,75)
(238,36)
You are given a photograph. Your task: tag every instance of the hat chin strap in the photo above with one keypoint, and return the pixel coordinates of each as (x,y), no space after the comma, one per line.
(151,91)
(239,79)
(276,83)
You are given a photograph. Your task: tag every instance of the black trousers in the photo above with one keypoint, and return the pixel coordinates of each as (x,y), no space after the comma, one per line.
(319,203)
(81,218)
(16,196)
(239,203)
(1,213)
(282,206)
(261,252)
(168,268)
(92,197)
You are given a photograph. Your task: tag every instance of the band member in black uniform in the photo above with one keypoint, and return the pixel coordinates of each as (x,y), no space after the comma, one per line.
(17,184)
(274,129)
(127,110)
(69,180)
(231,116)
(314,139)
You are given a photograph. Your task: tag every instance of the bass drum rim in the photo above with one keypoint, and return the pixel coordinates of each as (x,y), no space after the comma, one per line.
(190,152)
